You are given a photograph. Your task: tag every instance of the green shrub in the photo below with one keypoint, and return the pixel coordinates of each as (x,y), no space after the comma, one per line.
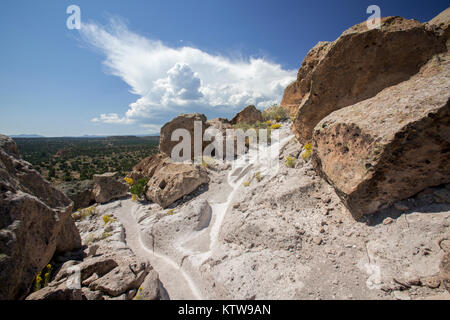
(208,162)
(290,162)
(106,235)
(276,113)
(244,126)
(90,239)
(258,176)
(139,187)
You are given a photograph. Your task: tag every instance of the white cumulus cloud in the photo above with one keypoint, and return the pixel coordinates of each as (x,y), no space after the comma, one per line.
(169,80)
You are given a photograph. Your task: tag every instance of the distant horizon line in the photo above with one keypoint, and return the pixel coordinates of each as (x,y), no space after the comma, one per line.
(82,136)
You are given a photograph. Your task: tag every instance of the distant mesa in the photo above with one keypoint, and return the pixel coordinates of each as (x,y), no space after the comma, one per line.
(27,136)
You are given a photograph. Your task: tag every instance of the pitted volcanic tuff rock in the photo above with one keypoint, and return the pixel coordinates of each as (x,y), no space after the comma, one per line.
(358,65)
(299,89)
(391,146)
(248,115)
(149,166)
(35,222)
(109,186)
(173,181)
(186,122)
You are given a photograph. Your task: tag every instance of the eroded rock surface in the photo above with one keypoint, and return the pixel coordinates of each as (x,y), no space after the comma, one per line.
(149,166)
(80,192)
(105,269)
(391,146)
(358,65)
(173,181)
(35,222)
(183,121)
(299,89)
(109,186)
(248,115)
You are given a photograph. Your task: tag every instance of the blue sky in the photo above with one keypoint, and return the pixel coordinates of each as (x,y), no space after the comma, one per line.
(134,65)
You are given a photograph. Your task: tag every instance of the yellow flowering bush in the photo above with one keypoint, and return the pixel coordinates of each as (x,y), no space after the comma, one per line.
(90,239)
(290,162)
(107,218)
(129,181)
(258,176)
(47,275)
(307,151)
(275,126)
(246,183)
(106,235)
(171,212)
(38,282)
(139,294)
(85,213)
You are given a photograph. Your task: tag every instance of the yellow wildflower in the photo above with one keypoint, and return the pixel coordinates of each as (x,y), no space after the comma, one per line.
(129,181)
(275,126)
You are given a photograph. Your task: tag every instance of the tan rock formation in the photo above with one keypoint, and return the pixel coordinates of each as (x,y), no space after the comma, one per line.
(149,166)
(297,90)
(358,65)
(35,222)
(109,186)
(248,115)
(391,146)
(183,121)
(80,192)
(173,181)
(442,21)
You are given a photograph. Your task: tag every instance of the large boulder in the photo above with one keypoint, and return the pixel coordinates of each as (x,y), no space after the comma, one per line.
(220,124)
(57,292)
(121,279)
(183,121)
(109,186)
(174,181)
(109,276)
(358,65)
(152,288)
(391,146)
(442,21)
(35,222)
(297,90)
(248,115)
(80,192)
(147,167)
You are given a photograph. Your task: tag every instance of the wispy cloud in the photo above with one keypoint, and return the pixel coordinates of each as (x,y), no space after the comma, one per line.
(113,118)
(185,79)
